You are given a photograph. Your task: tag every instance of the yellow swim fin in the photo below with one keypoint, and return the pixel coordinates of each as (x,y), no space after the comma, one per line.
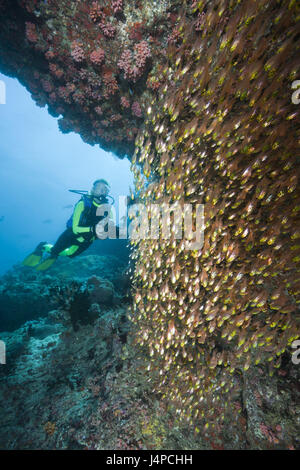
(35,257)
(32,260)
(45,264)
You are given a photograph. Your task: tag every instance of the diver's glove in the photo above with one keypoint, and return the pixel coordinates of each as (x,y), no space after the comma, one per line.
(87,235)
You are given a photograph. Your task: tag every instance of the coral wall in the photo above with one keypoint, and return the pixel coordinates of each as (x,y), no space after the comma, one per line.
(204,95)
(223,134)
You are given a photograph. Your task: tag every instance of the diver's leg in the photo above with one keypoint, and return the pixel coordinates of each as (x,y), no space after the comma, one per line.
(62,247)
(66,245)
(70,251)
(70,244)
(65,240)
(81,248)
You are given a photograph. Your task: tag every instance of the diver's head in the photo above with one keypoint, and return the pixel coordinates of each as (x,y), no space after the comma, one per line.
(100,190)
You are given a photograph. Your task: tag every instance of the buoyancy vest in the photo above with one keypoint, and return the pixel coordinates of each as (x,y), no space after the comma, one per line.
(88,217)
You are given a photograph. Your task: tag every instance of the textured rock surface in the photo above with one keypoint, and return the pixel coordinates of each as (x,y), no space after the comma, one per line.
(83,390)
(87,390)
(26,294)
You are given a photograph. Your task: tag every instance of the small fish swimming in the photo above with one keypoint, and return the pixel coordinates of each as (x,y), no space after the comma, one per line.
(47,221)
(69,206)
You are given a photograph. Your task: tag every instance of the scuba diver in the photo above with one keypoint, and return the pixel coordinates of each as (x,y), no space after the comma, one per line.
(81,228)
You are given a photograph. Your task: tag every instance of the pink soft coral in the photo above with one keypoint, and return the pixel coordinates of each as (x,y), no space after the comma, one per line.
(95,11)
(124,63)
(142,52)
(111,84)
(117,5)
(31,33)
(108,29)
(133,67)
(98,110)
(136,109)
(77,51)
(97,57)
(124,102)
(55,70)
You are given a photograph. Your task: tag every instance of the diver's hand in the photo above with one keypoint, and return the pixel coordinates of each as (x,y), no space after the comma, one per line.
(87,235)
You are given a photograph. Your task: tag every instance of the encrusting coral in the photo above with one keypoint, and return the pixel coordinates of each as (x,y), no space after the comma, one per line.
(92,54)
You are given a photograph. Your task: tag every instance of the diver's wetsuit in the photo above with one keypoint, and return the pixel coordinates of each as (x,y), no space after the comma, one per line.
(78,236)
(77,239)
(68,239)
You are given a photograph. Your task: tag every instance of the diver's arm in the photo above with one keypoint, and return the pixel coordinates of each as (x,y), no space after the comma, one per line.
(78,229)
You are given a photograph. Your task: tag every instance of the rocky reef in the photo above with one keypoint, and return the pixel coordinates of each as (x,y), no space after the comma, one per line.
(26,294)
(213,138)
(75,379)
(85,388)
(199,96)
